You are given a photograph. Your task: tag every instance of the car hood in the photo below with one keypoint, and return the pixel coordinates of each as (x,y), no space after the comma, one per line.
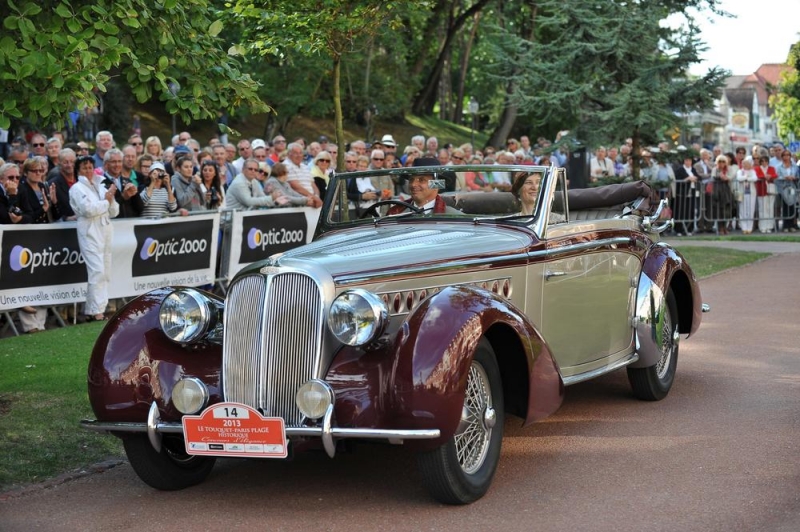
(389,247)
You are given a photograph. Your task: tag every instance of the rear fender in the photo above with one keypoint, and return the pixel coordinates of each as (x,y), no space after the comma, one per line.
(664,268)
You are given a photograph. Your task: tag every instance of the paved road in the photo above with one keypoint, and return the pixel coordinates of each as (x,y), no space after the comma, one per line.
(719,454)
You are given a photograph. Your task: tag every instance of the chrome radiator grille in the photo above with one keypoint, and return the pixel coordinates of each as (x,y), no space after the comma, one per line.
(271,345)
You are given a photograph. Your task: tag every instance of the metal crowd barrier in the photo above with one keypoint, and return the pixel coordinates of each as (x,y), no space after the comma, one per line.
(701,207)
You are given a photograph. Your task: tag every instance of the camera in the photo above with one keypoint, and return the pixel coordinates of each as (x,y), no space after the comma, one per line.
(16,211)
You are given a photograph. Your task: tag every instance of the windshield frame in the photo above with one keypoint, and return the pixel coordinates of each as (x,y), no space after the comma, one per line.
(338,186)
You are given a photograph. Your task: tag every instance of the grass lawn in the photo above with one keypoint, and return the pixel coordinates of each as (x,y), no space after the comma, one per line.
(42,398)
(705,261)
(43,392)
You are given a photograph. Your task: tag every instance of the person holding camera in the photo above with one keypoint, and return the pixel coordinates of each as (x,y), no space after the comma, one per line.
(157,195)
(10,213)
(212,184)
(600,166)
(94,205)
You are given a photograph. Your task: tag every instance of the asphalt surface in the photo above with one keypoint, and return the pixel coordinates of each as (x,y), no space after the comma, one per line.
(720,453)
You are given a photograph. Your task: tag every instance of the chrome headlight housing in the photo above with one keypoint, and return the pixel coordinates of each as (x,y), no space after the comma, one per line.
(186,315)
(357,317)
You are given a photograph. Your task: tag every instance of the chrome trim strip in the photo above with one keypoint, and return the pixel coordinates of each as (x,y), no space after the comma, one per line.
(589,246)
(575,379)
(335,432)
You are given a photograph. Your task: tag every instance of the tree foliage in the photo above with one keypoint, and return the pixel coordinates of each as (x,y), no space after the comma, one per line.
(331,29)
(51,60)
(787,101)
(610,66)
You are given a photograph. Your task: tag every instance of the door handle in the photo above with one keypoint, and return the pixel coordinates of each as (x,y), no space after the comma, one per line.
(548,274)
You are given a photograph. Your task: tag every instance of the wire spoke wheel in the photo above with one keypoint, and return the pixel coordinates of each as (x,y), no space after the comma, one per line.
(460,471)
(472,442)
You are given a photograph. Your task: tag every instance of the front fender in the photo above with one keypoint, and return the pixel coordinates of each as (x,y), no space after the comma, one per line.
(434,350)
(664,268)
(133,364)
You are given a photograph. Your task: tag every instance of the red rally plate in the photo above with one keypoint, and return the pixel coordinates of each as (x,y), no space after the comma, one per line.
(233,429)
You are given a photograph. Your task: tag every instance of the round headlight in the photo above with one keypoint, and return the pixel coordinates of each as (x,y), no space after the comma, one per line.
(184,315)
(314,398)
(189,395)
(357,317)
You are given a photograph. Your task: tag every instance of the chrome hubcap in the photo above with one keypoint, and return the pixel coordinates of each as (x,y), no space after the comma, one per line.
(478,418)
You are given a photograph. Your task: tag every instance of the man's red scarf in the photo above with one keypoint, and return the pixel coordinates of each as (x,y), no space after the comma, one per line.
(439,207)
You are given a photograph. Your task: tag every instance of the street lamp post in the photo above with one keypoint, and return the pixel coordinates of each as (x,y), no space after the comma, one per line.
(473,111)
(173,89)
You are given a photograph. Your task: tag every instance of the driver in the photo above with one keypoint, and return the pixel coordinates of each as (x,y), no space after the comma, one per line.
(424,190)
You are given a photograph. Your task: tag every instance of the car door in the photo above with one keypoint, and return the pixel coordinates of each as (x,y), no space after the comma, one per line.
(587,296)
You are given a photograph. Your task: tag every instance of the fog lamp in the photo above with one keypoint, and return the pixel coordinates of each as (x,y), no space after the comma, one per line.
(314,398)
(189,395)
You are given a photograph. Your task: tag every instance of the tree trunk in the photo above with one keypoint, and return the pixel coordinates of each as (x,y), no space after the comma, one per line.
(458,110)
(506,123)
(337,107)
(510,111)
(426,97)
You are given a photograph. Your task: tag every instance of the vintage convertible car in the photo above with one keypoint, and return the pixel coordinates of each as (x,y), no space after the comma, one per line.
(401,326)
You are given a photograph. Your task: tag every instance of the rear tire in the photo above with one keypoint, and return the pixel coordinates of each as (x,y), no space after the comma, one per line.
(461,470)
(168,470)
(654,382)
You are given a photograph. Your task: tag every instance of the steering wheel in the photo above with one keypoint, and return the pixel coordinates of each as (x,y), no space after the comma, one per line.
(372,210)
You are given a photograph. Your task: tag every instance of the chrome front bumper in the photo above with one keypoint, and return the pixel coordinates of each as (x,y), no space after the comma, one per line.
(155,428)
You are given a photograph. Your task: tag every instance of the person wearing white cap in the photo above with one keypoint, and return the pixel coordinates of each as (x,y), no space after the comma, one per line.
(388,143)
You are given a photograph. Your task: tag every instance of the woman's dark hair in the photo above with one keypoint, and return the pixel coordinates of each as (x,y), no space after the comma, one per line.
(217,182)
(180,160)
(79,161)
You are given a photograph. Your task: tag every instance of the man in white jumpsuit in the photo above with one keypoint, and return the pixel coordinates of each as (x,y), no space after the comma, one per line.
(94,206)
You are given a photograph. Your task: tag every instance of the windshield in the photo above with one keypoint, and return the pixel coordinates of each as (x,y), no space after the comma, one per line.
(465,192)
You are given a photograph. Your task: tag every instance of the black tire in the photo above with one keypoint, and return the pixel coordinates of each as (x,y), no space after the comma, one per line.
(454,480)
(171,469)
(654,382)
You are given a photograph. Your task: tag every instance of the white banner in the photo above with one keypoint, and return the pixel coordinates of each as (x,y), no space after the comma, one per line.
(255,235)
(42,264)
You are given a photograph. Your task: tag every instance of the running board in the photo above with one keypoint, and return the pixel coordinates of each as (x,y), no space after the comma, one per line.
(621,363)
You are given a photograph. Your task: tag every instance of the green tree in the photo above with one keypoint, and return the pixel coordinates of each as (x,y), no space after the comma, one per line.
(329,28)
(787,101)
(51,60)
(612,66)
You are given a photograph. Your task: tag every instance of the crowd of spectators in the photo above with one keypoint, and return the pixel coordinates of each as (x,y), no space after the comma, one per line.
(712,191)
(708,190)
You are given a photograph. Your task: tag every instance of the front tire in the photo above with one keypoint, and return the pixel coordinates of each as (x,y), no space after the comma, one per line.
(169,470)
(461,470)
(654,382)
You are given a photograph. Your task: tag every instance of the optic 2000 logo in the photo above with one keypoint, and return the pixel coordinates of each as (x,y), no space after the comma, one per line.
(266,234)
(152,248)
(169,248)
(22,258)
(41,257)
